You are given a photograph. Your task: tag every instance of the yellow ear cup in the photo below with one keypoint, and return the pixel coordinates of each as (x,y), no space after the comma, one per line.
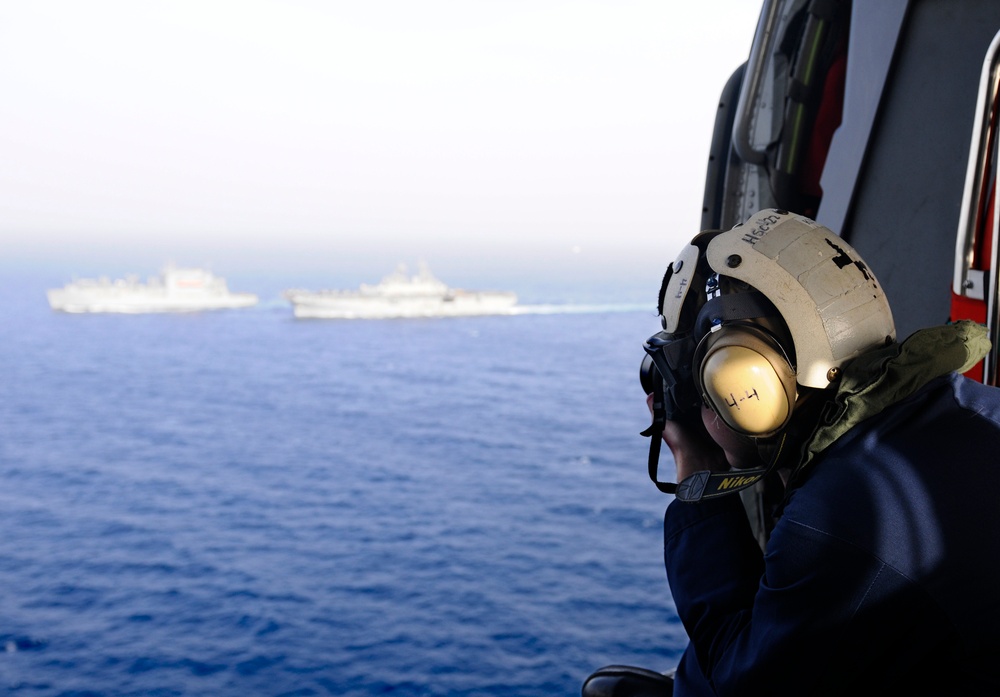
(745,390)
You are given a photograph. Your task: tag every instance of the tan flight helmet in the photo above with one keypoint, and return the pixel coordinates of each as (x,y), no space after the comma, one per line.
(831,305)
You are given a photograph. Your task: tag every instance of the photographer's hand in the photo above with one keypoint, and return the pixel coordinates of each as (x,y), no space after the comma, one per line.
(693,448)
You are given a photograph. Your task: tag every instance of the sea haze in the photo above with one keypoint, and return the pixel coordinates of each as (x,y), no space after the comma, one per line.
(239,503)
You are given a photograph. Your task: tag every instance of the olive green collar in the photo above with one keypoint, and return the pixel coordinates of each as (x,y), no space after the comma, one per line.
(878,379)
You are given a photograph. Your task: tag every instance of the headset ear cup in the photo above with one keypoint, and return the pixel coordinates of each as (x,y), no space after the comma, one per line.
(745,377)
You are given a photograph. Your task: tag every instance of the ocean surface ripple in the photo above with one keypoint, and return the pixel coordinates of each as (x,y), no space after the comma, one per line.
(238,503)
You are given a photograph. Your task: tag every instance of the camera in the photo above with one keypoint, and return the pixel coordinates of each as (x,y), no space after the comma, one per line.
(668,365)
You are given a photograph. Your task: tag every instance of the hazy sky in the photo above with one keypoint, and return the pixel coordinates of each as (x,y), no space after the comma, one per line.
(493,134)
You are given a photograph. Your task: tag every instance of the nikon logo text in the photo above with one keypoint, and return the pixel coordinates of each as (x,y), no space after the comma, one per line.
(733,482)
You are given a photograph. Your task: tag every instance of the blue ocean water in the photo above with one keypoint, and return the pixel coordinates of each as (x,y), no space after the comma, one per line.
(239,503)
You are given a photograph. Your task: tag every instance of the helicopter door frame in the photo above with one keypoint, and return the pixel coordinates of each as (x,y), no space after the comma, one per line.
(974,284)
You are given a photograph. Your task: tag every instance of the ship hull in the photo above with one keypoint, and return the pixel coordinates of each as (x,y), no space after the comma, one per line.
(343,306)
(144,302)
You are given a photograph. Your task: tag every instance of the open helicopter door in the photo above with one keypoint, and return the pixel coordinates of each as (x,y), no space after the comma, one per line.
(974,287)
(857,113)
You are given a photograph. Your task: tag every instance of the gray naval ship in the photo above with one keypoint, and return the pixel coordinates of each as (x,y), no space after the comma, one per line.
(400,295)
(176,289)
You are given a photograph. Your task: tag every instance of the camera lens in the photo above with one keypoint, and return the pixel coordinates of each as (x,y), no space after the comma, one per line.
(648,374)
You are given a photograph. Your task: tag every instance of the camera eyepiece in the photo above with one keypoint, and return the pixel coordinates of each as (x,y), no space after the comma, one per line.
(648,374)
(668,362)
